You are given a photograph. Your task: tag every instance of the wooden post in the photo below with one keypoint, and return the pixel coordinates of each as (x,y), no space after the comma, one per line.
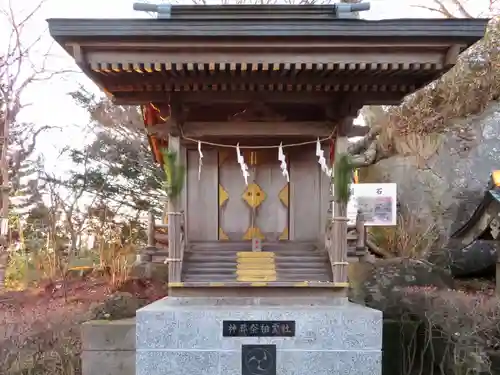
(174,226)
(361,232)
(339,229)
(151,230)
(497,289)
(338,244)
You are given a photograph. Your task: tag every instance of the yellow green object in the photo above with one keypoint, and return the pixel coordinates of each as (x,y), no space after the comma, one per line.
(343,171)
(174,174)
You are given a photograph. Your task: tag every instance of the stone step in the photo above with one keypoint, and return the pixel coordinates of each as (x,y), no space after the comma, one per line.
(247,245)
(191,257)
(232,271)
(231,278)
(288,252)
(193,266)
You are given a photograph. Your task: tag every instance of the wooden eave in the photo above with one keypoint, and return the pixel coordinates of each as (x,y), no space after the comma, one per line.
(276,53)
(268,49)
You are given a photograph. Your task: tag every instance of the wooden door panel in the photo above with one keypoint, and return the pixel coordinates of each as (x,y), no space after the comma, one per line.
(272,214)
(258,210)
(234,217)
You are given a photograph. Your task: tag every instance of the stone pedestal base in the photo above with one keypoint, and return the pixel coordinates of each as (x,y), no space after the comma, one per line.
(108,347)
(184,336)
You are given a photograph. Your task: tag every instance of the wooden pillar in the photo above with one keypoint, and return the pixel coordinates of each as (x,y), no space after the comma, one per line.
(151,230)
(338,243)
(497,275)
(339,246)
(175,213)
(361,232)
(341,142)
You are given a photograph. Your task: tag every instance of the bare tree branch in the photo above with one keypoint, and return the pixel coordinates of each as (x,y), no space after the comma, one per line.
(453,8)
(493,5)
(70,204)
(17,72)
(461,9)
(444,11)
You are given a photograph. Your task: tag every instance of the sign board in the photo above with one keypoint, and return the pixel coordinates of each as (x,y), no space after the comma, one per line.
(377,202)
(258,328)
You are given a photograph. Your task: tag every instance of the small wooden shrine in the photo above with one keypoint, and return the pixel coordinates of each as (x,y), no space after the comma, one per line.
(244,95)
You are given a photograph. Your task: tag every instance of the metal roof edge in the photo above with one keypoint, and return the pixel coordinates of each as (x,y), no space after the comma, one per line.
(470,29)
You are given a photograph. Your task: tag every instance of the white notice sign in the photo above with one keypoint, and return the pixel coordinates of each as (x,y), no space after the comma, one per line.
(377,202)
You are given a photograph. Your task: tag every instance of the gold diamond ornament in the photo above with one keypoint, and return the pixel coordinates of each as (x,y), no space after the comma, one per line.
(253,232)
(223,195)
(283,195)
(222,235)
(254,195)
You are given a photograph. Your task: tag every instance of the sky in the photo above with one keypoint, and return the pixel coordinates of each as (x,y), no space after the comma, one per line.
(49,100)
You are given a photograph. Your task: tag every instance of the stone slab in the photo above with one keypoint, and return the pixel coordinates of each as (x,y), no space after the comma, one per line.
(108,335)
(184,335)
(108,362)
(108,347)
(289,362)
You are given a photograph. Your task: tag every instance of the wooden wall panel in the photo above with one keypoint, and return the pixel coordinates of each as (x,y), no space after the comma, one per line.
(309,195)
(202,201)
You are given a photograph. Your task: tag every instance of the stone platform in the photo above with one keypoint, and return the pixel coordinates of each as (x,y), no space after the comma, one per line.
(185,336)
(108,347)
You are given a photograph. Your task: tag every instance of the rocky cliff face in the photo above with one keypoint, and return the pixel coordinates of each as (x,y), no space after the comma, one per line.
(446,185)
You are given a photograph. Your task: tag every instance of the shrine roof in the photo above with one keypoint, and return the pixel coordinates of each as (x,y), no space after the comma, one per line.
(274,48)
(265,21)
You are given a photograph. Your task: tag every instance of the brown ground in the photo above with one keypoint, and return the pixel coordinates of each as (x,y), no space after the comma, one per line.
(32,312)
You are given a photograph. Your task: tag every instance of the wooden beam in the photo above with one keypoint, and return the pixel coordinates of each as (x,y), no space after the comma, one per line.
(252,129)
(176,116)
(451,57)
(162,130)
(253,44)
(309,80)
(346,56)
(80,60)
(229,97)
(201,130)
(225,97)
(348,106)
(365,98)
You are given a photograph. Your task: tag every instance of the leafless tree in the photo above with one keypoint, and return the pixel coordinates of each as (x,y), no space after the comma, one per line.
(459,8)
(73,201)
(17,72)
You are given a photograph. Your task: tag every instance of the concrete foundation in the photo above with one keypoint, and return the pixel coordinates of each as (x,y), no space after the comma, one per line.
(108,347)
(184,336)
